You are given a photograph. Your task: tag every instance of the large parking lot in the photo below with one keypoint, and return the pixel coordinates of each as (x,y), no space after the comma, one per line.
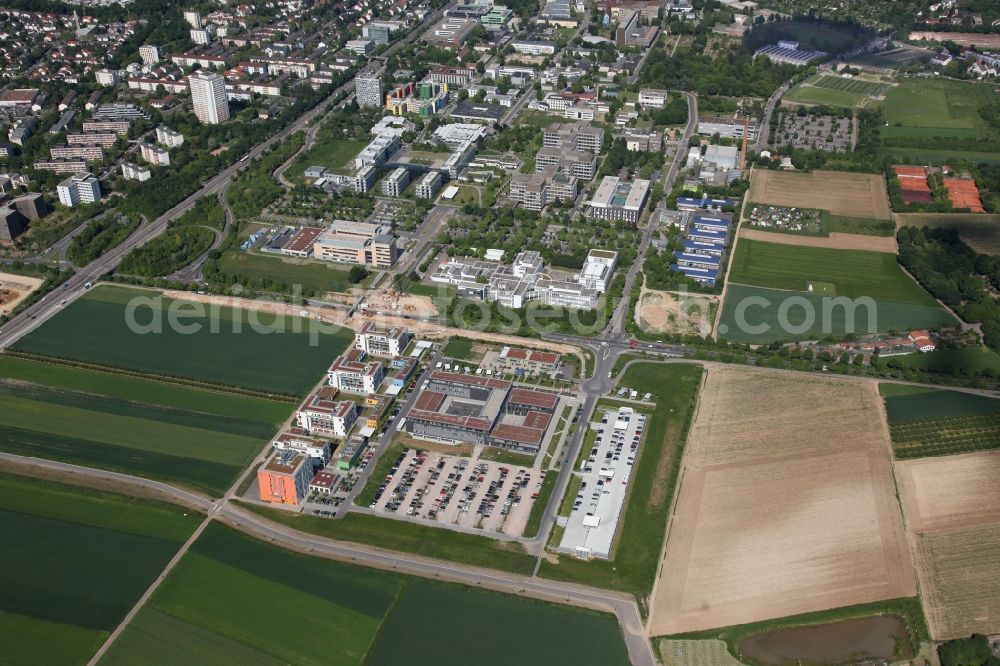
(590,529)
(465,492)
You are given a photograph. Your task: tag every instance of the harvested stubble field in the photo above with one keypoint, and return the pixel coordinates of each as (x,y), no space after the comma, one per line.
(787,505)
(953,517)
(841,193)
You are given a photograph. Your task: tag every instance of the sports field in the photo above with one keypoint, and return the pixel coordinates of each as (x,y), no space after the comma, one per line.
(75,561)
(836,91)
(769,281)
(952,510)
(787,505)
(936,423)
(948,107)
(233,599)
(138,426)
(260,351)
(840,193)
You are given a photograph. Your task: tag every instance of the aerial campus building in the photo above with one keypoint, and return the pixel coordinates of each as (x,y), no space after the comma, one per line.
(456,408)
(616,199)
(525,280)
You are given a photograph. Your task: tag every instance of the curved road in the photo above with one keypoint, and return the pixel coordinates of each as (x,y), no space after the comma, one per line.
(622,605)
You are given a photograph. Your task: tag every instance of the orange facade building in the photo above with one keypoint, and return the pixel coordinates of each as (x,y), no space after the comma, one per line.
(285,478)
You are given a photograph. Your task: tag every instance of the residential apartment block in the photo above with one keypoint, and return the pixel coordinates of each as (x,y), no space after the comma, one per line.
(351,373)
(154,154)
(385,342)
(77,189)
(322,414)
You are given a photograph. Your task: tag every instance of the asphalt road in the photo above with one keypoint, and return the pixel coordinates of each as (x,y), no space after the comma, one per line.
(764,132)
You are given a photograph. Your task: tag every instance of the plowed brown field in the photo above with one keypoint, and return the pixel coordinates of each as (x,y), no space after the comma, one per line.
(841,193)
(952,512)
(787,504)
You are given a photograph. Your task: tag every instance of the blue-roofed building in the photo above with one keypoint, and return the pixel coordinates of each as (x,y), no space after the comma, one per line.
(705,223)
(703,275)
(699,247)
(707,236)
(697,260)
(704,201)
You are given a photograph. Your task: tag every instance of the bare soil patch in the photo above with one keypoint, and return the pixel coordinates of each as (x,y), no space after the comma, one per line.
(835,241)
(14,289)
(787,504)
(841,193)
(389,300)
(953,516)
(666,312)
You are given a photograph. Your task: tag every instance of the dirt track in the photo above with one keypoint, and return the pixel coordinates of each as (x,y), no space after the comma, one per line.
(953,518)
(841,193)
(835,241)
(787,505)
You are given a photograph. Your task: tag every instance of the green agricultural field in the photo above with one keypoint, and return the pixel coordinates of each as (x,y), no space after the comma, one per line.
(317,276)
(767,277)
(267,353)
(433,624)
(233,599)
(854,272)
(636,555)
(933,423)
(761,321)
(923,404)
(282,606)
(940,156)
(75,563)
(201,449)
(111,384)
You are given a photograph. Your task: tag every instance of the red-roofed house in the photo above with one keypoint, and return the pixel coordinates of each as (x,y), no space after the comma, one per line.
(923,341)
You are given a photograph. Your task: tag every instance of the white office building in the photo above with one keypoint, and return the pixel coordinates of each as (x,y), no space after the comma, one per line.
(208,96)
